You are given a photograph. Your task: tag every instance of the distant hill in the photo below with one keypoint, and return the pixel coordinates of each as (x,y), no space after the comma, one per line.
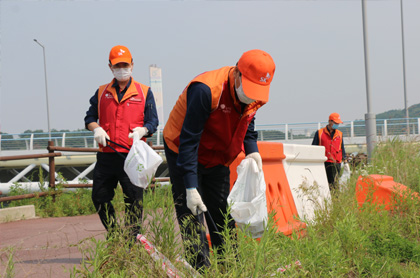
(413,112)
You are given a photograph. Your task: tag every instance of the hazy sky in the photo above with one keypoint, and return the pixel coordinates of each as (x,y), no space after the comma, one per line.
(317,47)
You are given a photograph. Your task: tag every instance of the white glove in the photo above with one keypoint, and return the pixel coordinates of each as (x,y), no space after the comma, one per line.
(100,136)
(141,132)
(257,157)
(194,201)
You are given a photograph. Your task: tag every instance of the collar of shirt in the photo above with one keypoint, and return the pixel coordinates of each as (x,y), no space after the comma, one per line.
(331,133)
(117,88)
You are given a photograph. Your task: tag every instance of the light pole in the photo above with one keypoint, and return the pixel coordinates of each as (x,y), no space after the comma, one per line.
(370,118)
(403,64)
(46,88)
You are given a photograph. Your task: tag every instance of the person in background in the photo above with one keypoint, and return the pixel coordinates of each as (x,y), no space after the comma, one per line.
(210,124)
(117,111)
(332,139)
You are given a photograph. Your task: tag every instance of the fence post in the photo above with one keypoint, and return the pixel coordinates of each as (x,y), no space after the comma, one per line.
(31,142)
(158,137)
(51,163)
(418,125)
(286,131)
(63,142)
(385,128)
(352,130)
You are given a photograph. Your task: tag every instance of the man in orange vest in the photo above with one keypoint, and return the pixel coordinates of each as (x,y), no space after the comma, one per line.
(123,107)
(210,124)
(332,139)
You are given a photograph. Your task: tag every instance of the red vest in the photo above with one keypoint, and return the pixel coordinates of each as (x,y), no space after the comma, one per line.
(225,129)
(333,150)
(118,119)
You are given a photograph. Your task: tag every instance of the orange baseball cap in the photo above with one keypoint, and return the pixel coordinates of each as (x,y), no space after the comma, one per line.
(335,117)
(257,69)
(120,54)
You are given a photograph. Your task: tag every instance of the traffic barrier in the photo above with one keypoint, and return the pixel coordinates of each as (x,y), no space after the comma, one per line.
(381,190)
(279,196)
(305,172)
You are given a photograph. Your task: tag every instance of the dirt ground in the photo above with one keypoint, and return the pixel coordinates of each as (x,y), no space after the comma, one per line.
(46,247)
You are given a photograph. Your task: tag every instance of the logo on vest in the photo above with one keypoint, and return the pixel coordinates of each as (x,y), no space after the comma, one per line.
(264,79)
(108,95)
(135,99)
(225,109)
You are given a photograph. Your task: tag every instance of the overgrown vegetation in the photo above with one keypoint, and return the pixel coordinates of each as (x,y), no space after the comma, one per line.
(345,240)
(61,202)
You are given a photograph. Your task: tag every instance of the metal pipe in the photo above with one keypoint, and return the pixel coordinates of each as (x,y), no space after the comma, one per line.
(68,149)
(370,118)
(28,156)
(85,172)
(25,196)
(403,64)
(46,88)
(22,173)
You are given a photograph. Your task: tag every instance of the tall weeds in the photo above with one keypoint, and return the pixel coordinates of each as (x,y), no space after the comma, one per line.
(344,240)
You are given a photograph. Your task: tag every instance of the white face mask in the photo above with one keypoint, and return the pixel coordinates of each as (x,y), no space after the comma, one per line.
(122,74)
(241,95)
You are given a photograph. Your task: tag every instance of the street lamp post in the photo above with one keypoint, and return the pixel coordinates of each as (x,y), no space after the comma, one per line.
(46,89)
(370,118)
(403,64)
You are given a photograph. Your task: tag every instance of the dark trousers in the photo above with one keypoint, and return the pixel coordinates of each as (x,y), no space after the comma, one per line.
(333,170)
(214,187)
(109,170)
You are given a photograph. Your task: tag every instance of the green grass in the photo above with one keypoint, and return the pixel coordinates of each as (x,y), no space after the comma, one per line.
(7,259)
(66,202)
(345,240)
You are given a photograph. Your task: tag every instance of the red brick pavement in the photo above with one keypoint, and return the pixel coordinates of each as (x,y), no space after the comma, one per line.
(46,247)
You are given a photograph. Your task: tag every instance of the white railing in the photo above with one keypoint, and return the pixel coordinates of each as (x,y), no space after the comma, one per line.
(352,130)
(289,132)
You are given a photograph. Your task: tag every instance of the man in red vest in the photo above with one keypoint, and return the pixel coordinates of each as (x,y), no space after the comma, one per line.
(210,124)
(123,108)
(332,139)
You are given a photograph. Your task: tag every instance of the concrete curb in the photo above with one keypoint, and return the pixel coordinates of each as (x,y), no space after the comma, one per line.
(17,213)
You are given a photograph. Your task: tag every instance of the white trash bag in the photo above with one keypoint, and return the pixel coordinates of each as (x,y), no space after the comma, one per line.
(249,203)
(345,175)
(141,163)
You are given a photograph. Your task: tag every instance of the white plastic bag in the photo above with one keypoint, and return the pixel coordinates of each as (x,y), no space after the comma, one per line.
(345,175)
(249,203)
(141,163)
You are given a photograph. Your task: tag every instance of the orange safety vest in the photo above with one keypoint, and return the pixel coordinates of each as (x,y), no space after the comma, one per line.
(118,119)
(225,129)
(333,150)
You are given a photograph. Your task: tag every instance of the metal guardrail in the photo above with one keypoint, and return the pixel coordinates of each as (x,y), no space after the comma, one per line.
(71,139)
(350,129)
(274,132)
(52,174)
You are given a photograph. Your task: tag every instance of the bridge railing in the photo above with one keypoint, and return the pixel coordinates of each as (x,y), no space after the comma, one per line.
(350,129)
(274,132)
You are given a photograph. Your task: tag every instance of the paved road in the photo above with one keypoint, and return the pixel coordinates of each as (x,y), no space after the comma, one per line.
(46,247)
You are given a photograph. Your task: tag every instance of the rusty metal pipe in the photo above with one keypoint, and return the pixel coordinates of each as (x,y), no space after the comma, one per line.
(68,149)
(28,156)
(25,196)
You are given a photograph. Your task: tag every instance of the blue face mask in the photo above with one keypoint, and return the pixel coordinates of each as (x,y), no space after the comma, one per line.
(335,126)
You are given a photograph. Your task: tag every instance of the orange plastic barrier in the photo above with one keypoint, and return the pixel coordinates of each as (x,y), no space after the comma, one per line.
(278,193)
(381,190)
